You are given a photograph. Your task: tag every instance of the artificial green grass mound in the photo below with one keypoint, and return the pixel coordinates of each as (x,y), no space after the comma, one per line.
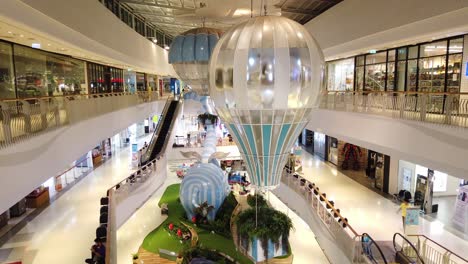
(160,238)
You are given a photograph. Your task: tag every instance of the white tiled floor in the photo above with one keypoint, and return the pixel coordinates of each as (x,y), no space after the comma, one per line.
(304,246)
(368,211)
(131,234)
(64,232)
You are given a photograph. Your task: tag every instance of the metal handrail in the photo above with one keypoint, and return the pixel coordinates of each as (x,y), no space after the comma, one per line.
(430,107)
(27,117)
(409,243)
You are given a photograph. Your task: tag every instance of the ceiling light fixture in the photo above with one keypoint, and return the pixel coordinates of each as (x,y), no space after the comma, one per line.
(166,47)
(9,32)
(36,45)
(155,41)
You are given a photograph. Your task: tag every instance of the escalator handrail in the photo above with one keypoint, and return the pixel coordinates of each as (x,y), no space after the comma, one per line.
(163,113)
(158,128)
(157,136)
(376,245)
(171,126)
(409,243)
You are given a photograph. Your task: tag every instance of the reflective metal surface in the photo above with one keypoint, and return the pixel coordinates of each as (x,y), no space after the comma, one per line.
(265,77)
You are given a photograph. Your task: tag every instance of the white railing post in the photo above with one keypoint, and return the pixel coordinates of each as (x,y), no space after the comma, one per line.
(448,109)
(423,107)
(43,111)
(26,111)
(403,106)
(6,122)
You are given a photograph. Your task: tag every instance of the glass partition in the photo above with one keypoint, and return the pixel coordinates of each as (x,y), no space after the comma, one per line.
(31,73)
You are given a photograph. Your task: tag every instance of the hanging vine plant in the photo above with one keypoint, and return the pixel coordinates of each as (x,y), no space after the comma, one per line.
(202,118)
(271,225)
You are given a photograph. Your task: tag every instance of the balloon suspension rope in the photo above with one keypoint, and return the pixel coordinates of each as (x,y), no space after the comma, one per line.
(256,209)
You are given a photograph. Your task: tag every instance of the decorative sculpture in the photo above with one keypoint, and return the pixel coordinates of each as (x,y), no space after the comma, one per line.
(265,77)
(203,183)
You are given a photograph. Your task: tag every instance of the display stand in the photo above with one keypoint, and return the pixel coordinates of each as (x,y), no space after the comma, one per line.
(412,220)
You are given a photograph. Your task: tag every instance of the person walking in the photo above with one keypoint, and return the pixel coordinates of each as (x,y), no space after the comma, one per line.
(403,206)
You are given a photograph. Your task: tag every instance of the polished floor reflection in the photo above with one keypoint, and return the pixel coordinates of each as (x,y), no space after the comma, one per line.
(369,212)
(64,231)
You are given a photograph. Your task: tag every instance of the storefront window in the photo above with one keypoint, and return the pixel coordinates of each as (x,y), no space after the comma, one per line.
(412,75)
(151,82)
(456,45)
(7,83)
(401,75)
(402,53)
(117,80)
(65,75)
(375,77)
(359,78)
(390,76)
(433,49)
(341,75)
(31,72)
(454,70)
(413,52)
(141,83)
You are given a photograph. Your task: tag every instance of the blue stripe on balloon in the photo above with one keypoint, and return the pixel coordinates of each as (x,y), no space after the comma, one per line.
(266,134)
(188,53)
(201,48)
(281,138)
(254,248)
(175,52)
(212,40)
(250,137)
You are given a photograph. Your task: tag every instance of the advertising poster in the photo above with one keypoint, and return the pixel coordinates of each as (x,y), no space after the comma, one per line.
(412,216)
(460,216)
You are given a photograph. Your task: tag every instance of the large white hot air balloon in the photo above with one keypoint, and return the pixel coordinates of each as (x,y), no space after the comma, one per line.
(265,78)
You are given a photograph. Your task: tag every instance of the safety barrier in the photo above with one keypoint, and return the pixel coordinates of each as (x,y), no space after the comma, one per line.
(440,108)
(433,252)
(21,119)
(345,237)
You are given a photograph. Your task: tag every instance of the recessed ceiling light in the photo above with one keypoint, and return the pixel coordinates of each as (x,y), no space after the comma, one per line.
(166,47)
(9,32)
(48,44)
(36,45)
(155,41)
(22,36)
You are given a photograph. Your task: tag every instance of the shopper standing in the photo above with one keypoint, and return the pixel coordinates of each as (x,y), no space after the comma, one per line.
(403,206)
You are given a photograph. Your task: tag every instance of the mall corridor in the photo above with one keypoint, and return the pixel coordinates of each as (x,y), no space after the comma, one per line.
(368,211)
(65,230)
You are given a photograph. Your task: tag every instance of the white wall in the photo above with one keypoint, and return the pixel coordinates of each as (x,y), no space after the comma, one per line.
(441,148)
(26,165)
(355,26)
(87,25)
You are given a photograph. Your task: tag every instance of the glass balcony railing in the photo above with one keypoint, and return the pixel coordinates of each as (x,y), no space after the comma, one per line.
(21,119)
(439,108)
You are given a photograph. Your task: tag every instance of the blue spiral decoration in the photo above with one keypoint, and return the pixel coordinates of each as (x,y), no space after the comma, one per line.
(204,182)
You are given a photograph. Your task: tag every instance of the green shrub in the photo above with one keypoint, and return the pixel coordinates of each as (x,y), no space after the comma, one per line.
(256,199)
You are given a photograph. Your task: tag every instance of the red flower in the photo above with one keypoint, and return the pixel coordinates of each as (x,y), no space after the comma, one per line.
(171,226)
(179,232)
(194,219)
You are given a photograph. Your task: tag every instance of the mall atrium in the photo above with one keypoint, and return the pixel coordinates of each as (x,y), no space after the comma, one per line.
(233,131)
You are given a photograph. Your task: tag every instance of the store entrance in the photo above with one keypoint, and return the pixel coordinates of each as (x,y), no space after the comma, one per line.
(440,196)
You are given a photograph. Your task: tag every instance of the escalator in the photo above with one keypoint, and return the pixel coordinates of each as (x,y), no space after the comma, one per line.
(162,133)
(405,251)
(373,251)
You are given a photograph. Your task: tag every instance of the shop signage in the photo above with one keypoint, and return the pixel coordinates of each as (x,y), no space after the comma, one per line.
(466,69)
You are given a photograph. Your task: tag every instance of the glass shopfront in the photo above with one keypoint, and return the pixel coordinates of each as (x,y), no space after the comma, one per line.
(104,79)
(426,67)
(341,75)
(40,73)
(141,82)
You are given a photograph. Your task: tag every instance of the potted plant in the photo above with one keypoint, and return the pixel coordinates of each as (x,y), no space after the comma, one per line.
(135,258)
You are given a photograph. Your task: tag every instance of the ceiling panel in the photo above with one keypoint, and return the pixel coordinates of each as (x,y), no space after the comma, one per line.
(176,16)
